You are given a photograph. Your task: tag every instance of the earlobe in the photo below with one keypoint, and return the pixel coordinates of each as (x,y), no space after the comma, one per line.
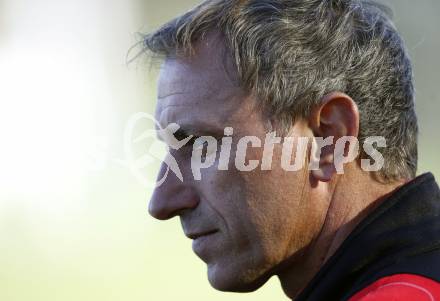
(325,171)
(322,159)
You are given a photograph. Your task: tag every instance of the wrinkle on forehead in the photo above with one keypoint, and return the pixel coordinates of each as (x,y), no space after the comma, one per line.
(177,78)
(214,113)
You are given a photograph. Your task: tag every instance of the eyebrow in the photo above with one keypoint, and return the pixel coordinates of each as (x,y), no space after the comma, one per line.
(181,134)
(198,130)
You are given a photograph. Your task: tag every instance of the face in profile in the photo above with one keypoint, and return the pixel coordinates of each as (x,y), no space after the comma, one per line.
(244,225)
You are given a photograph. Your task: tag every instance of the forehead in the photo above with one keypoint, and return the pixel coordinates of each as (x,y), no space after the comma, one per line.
(197,92)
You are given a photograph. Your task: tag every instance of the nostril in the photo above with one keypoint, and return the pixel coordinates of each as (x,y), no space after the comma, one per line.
(161,208)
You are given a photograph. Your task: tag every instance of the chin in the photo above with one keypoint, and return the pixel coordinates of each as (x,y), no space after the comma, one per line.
(235,280)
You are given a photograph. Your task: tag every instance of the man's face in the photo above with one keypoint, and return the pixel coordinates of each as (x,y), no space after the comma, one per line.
(244,224)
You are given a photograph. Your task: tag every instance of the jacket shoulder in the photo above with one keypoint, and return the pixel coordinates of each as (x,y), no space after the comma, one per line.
(402,287)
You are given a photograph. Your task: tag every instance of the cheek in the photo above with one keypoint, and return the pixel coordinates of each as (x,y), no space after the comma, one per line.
(227,194)
(279,210)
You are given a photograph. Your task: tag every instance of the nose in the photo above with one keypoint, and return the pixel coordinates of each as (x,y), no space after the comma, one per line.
(172,197)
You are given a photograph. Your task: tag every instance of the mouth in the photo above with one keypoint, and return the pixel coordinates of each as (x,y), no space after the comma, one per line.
(205,244)
(196,235)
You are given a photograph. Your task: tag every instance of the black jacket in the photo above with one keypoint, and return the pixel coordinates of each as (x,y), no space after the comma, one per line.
(401,235)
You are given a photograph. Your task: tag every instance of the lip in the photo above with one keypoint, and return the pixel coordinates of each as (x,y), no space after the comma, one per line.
(197,235)
(204,244)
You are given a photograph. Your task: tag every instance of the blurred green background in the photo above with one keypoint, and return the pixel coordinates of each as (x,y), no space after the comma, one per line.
(73,218)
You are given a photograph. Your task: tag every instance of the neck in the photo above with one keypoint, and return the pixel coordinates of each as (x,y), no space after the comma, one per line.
(352,198)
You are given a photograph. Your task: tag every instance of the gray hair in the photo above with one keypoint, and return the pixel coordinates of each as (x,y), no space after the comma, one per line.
(290,53)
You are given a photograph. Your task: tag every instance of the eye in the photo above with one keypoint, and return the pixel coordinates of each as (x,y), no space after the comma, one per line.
(192,145)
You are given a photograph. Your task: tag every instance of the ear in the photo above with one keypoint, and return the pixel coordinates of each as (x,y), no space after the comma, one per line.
(335,116)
